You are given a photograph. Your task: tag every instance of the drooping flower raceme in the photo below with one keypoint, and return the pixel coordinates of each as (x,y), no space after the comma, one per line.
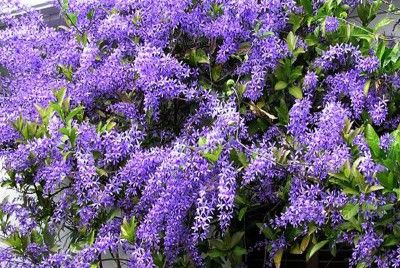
(161,133)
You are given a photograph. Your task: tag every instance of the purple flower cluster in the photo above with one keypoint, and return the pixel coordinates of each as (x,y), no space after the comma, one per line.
(149,131)
(331,24)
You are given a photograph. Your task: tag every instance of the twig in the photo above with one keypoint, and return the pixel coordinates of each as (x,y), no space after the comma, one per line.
(113,259)
(71,21)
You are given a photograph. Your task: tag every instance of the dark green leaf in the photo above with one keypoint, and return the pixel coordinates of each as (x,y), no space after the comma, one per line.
(390,240)
(315,248)
(236,237)
(372,140)
(387,180)
(215,253)
(350,210)
(242,212)
(307,5)
(239,251)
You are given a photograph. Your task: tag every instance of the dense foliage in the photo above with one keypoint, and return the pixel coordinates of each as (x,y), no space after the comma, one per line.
(186,133)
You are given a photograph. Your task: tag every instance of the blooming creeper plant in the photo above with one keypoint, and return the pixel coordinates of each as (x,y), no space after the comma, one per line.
(181,133)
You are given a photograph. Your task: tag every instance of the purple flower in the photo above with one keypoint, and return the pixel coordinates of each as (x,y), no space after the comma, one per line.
(304,207)
(331,24)
(340,55)
(385,141)
(299,119)
(310,83)
(368,64)
(165,136)
(378,109)
(365,247)
(226,194)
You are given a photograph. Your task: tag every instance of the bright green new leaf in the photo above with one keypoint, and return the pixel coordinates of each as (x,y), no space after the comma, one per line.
(296,92)
(280,85)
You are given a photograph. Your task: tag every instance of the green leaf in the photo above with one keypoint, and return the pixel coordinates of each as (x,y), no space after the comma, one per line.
(384,22)
(216,10)
(315,248)
(242,212)
(64,5)
(267,231)
(362,12)
(201,57)
(374,188)
(257,109)
(347,169)
(242,158)
(72,136)
(380,51)
(75,112)
(291,41)
(202,141)
(43,112)
(349,211)
(280,85)
(197,56)
(90,14)
(101,172)
(387,179)
(282,112)
(296,92)
(311,229)
(214,155)
(390,240)
(239,251)
(18,124)
(296,21)
(217,243)
(372,140)
(312,40)
(109,126)
(397,191)
(366,13)
(235,239)
(366,87)
(239,158)
(66,71)
(82,39)
(215,253)
(295,249)
(60,95)
(278,258)
(333,249)
(304,242)
(216,72)
(361,265)
(128,230)
(17,242)
(114,213)
(72,19)
(91,238)
(349,31)
(307,5)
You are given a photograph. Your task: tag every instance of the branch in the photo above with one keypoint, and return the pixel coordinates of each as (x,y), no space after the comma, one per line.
(70,20)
